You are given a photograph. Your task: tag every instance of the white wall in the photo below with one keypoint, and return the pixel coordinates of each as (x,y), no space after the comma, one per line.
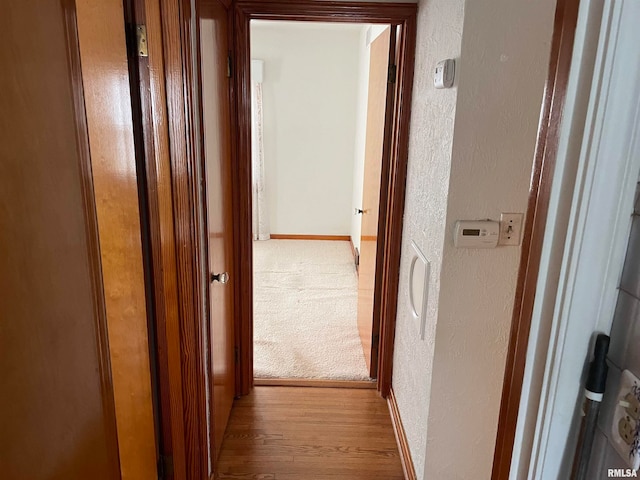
(309,103)
(431,138)
(471,152)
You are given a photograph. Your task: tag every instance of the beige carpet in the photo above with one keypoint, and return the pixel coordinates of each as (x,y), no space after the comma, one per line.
(305,307)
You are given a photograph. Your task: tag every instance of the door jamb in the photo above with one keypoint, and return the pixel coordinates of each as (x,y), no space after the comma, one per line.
(542,176)
(169,121)
(393,182)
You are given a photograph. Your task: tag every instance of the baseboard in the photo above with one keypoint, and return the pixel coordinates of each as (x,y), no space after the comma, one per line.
(307,382)
(355,255)
(283,236)
(401,438)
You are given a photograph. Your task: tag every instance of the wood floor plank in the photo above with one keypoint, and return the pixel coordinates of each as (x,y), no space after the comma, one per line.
(302,433)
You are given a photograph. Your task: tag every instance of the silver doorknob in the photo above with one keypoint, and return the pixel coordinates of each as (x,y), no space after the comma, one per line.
(358,211)
(220,277)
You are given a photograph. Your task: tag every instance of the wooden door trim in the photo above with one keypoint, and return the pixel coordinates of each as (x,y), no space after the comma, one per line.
(151,136)
(402,15)
(395,203)
(401,438)
(537,209)
(92,236)
(185,170)
(383,224)
(165,106)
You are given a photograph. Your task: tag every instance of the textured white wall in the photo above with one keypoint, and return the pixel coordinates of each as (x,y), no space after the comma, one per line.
(473,167)
(309,104)
(432,120)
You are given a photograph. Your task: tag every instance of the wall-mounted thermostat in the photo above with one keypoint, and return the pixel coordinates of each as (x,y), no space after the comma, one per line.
(476,234)
(445,71)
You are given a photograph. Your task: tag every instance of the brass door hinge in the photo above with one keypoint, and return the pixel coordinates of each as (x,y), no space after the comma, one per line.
(141,37)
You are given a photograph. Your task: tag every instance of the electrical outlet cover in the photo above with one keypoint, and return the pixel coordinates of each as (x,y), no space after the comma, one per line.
(629,384)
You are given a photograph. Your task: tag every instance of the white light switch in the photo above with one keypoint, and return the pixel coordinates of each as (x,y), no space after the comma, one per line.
(510,229)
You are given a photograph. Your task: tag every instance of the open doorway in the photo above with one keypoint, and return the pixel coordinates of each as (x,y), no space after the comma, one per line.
(318,103)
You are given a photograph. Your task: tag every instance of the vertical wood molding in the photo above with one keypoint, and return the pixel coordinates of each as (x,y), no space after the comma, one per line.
(401,438)
(93,234)
(537,209)
(241,105)
(395,200)
(109,120)
(149,85)
(176,18)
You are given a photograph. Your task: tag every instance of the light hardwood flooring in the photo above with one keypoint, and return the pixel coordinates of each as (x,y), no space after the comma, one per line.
(306,433)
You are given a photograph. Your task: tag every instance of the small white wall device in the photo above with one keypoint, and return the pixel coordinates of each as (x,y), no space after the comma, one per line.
(444,74)
(476,234)
(419,286)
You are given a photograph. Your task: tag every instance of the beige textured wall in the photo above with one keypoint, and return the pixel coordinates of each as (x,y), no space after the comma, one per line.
(471,154)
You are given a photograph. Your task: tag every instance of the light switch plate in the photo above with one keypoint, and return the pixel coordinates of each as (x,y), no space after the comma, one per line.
(510,229)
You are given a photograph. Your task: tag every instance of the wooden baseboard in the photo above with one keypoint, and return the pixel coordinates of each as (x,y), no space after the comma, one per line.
(283,236)
(303,382)
(355,256)
(401,438)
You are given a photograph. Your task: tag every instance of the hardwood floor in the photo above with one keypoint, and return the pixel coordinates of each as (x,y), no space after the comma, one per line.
(305,433)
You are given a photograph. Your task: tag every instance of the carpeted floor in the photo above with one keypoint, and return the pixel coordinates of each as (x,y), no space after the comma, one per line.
(305,307)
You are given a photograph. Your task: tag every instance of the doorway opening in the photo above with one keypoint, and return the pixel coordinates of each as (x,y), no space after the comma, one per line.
(374,340)
(318,103)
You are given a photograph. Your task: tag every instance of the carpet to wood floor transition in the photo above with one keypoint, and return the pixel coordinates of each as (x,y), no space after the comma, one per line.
(305,311)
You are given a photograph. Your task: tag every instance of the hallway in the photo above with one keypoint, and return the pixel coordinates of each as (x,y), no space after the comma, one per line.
(296,433)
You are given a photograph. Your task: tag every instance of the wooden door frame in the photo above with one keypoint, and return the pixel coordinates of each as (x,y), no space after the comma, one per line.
(394,165)
(166,117)
(534,228)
